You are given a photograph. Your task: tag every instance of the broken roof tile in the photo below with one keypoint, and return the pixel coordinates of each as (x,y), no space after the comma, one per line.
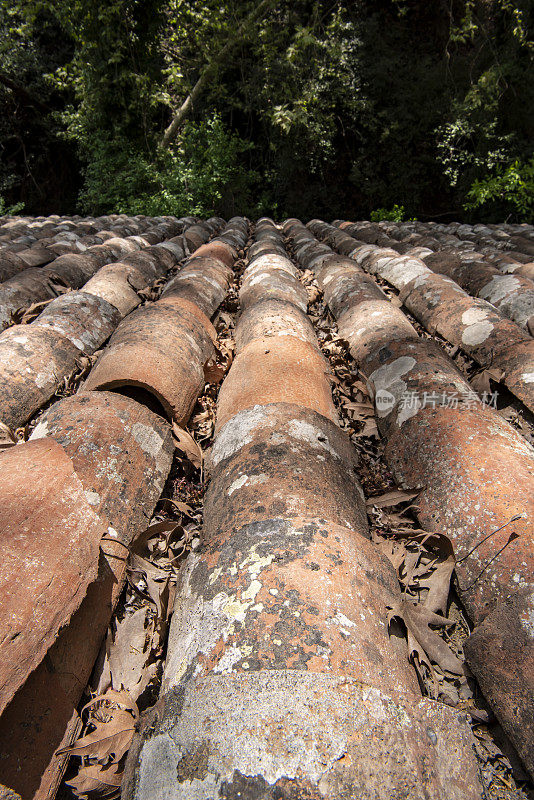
(50,551)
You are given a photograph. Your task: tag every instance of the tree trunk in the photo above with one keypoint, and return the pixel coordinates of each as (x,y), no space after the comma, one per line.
(172,131)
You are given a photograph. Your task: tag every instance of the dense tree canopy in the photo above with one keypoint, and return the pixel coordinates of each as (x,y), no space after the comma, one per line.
(295,107)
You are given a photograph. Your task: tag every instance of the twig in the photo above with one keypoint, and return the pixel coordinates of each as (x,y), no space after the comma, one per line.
(511,538)
(514,519)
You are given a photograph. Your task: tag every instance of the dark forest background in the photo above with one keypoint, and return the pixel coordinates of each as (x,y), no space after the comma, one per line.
(389,108)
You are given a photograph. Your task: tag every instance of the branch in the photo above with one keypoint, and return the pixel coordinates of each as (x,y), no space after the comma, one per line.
(172,131)
(23,93)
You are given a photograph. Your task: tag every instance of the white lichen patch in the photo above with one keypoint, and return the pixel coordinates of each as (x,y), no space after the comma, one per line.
(43,379)
(387,380)
(400,273)
(474,315)
(312,435)
(255,563)
(148,439)
(477,333)
(237,484)
(93,498)
(499,287)
(237,433)
(408,410)
(527,618)
(231,657)
(235,608)
(341,620)
(108,468)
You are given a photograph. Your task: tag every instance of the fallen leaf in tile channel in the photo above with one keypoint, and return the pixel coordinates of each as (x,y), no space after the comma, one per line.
(130,663)
(424,563)
(110,719)
(23,316)
(187,445)
(7,437)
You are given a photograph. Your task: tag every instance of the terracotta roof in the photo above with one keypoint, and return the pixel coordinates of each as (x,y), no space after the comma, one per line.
(282,676)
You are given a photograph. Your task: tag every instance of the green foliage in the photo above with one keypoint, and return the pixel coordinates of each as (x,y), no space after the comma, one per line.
(395,214)
(114,69)
(202,171)
(472,142)
(14,209)
(30,46)
(489,126)
(320,108)
(509,191)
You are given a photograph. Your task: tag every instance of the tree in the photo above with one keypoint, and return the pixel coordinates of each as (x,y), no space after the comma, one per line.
(312,107)
(210,70)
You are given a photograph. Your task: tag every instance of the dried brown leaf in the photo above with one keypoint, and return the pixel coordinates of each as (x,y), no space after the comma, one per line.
(392,498)
(129,652)
(33,311)
(58,285)
(369,429)
(417,619)
(93,781)
(226,318)
(147,568)
(110,739)
(313,294)
(360,386)
(157,581)
(359,411)
(411,566)
(423,666)
(101,677)
(213,373)
(182,507)
(186,444)
(395,551)
(158,591)
(438,585)
(168,526)
(7,437)
(481,381)
(110,699)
